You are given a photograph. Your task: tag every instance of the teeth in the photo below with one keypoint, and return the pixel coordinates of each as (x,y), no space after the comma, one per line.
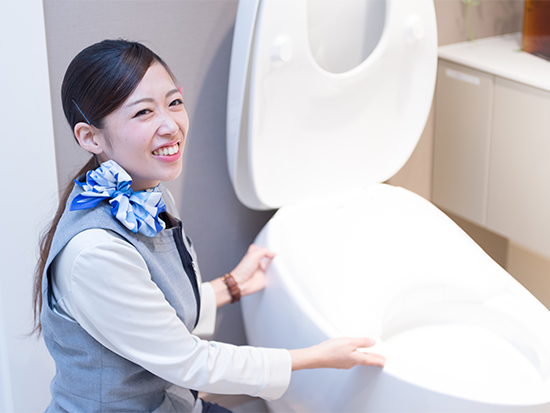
(167,151)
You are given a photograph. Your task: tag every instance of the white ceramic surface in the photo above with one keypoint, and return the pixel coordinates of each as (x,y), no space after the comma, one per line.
(356,257)
(459,333)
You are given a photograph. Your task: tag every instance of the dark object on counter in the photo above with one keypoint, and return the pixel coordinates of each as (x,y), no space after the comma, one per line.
(536,28)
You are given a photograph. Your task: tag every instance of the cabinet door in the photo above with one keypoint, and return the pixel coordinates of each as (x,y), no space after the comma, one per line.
(519,183)
(464,100)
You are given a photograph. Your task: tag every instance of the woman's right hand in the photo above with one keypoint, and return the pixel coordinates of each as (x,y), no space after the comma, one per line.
(337,353)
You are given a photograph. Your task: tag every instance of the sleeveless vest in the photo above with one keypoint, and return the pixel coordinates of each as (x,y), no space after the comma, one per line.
(91,378)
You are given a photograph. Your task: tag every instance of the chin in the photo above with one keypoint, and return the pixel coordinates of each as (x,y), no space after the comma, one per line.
(173,175)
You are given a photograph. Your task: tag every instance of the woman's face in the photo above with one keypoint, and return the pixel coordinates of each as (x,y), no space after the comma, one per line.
(146,135)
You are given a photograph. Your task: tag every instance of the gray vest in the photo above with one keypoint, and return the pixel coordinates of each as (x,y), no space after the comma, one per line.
(91,378)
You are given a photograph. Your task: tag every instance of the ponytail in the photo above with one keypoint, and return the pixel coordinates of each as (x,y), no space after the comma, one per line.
(46,243)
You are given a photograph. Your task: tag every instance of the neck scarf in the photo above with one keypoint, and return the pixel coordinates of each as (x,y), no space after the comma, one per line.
(138,211)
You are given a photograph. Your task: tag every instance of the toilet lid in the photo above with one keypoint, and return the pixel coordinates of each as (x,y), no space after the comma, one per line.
(303,120)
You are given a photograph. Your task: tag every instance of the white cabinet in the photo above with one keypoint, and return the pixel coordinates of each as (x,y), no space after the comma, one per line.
(464,109)
(492,139)
(519,174)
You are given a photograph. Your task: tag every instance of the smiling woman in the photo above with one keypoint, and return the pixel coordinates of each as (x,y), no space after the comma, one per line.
(146,135)
(118,293)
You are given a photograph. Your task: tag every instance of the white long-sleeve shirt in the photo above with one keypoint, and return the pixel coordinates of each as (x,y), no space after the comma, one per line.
(101,282)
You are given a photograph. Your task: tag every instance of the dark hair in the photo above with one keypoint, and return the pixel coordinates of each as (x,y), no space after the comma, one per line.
(101,77)
(98,81)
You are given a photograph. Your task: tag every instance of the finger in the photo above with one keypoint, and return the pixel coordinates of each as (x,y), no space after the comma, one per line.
(262,253)
(264,263)
(372,359)
(376,360)
(253,247)
(362,342)
(257,253)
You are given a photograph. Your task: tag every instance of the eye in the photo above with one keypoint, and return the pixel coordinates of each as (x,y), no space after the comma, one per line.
(176,102)
(142,112)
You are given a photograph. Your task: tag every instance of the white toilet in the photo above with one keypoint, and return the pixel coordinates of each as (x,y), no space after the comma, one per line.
(327,99)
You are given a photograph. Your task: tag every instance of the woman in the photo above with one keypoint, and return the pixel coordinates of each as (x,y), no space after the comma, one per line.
(117,287)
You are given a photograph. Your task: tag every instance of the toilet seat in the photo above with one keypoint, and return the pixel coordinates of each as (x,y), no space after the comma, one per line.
(295,130)
(453,290)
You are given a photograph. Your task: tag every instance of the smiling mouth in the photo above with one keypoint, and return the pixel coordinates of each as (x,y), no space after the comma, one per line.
(168,150)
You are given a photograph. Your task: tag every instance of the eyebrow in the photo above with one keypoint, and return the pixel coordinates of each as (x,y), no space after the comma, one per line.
(171,92)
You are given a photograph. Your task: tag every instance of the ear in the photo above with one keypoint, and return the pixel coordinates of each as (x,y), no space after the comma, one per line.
(89,137)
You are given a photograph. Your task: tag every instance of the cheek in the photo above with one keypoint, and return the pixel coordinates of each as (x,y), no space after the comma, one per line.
(135,138)
(184,122)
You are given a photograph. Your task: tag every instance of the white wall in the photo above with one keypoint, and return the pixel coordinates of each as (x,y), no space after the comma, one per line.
(27,168)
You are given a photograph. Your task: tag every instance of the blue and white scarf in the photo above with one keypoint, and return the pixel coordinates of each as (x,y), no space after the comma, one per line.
(138,211)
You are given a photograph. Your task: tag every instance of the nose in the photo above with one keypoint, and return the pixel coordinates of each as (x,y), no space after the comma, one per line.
(167,125)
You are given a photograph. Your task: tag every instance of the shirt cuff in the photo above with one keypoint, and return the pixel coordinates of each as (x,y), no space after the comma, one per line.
(207,317)
(278,371)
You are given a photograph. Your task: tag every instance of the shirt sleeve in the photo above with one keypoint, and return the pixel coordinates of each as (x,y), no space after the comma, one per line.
(207,316)
(106,288)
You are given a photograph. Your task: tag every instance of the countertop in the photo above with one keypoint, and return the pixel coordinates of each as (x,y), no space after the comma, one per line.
(501,56)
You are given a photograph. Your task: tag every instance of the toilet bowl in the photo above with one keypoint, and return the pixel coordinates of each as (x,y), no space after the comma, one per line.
(458,332)
(313,132)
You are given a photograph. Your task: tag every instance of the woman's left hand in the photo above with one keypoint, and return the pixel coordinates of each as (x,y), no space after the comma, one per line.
(250,272)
